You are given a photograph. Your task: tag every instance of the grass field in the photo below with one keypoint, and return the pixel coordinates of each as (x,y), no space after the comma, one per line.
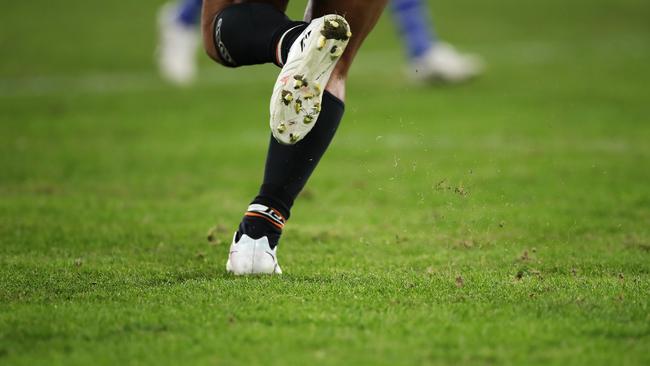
(504,222)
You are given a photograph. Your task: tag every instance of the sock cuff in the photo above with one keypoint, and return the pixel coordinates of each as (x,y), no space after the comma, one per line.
(246,33)
(272,195)
(270,214)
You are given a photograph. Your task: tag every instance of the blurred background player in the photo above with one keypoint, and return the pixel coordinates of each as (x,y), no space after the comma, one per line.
(430,59)
(178,40)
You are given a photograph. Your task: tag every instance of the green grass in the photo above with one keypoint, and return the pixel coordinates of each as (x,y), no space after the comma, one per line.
(502,222)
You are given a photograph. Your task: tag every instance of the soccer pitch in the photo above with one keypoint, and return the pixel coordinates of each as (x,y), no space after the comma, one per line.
(502,222)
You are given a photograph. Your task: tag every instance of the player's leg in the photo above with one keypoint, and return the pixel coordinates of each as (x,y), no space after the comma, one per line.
(431,60)
(414,24)
(289,166)
(178,40)
(189,13)
(245,33)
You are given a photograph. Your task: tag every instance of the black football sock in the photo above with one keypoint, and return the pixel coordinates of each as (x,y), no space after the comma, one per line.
(260,220)
(288,167)
(248,34)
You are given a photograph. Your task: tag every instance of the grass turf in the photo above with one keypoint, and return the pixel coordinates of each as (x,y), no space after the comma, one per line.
(502,222)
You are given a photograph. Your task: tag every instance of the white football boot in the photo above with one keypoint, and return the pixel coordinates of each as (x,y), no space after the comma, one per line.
(444,64)
(177,46)
(252,256)
(298,92)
